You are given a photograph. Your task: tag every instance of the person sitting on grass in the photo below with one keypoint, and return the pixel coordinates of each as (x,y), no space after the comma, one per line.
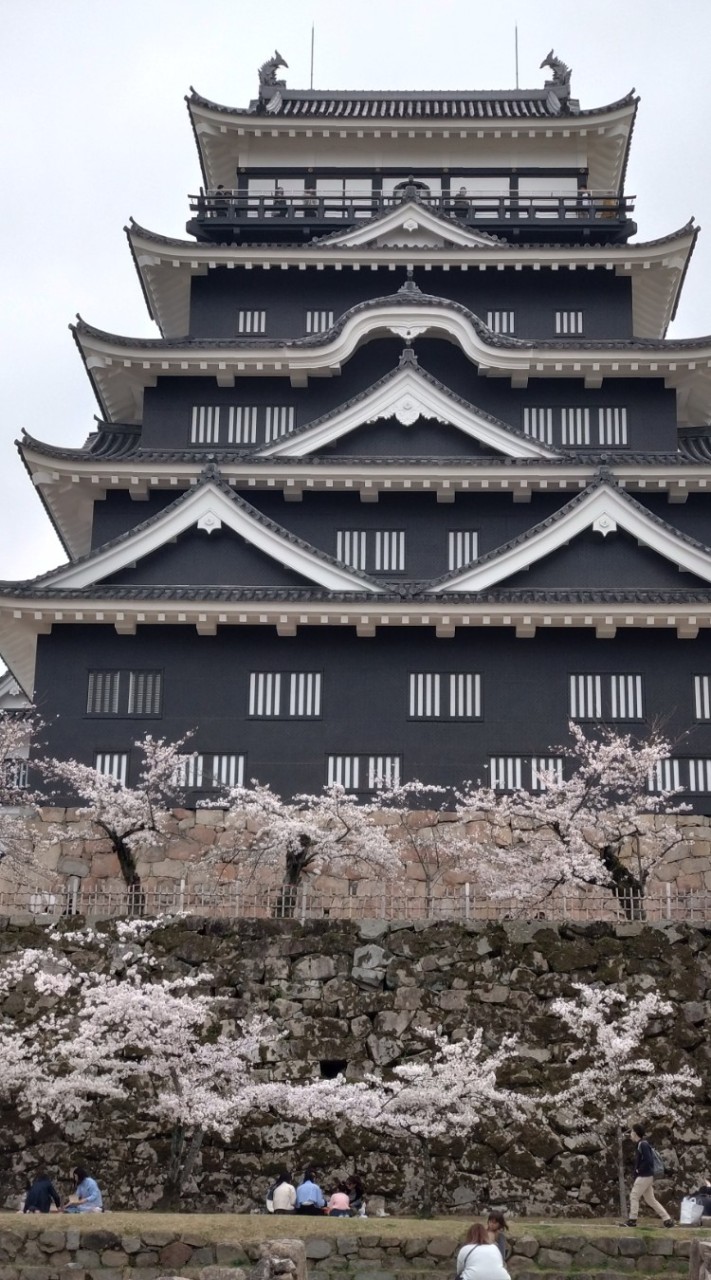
(478,1259)
(496,1229)
(339,1205)
(42,1196)
(87,1197)
(309,1196)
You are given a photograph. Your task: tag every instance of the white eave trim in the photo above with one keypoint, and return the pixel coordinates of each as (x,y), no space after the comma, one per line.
(408,397)
(412,219)
(208,507)
(605,510)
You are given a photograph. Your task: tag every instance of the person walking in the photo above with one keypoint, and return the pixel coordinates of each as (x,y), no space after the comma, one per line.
(643,1185)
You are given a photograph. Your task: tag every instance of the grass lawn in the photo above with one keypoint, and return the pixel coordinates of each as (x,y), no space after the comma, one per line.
(248,1227)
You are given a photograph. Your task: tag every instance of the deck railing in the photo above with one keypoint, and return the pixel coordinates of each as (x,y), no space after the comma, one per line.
(243,901)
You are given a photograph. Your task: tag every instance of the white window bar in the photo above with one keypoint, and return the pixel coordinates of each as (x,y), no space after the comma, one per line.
(351,547)
(702,697)
(585,697)
(612,426)
(242,424)
(465,695)
(264,693)
(344,770)
(626,698)
(102,698)
(700,775)
(228,770)
(500,321)
(384,771)
(205,426)
(664,776)
(575,426)
(424,694)
(112,764)
(318,321)
(538,424)
(189,773)
(305,693)
(144,693)
(505,773)
(462,547)
(543,768)
(278,421)
(567,322)
(251,321)
(389,551)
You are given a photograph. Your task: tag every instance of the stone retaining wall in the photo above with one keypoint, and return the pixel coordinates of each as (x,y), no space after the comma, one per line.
(45,1251)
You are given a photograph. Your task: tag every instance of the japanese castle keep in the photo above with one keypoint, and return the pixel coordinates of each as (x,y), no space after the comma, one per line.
(412,475)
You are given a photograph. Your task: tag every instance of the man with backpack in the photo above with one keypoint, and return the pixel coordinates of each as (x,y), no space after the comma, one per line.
(647,1165)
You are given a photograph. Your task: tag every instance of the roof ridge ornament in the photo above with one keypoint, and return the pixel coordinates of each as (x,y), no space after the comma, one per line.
(268,82)
(410,288)
(408,358)
(561,74)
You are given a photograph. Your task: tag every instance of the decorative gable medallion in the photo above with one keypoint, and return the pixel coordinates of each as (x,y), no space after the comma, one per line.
(412,225)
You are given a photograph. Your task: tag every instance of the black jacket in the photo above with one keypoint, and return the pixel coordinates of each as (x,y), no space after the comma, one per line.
(40,1196)
(643,1160)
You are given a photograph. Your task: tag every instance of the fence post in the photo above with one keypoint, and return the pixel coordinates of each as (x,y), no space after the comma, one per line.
(181,896)
(467,900)
(668,905)
(303,905)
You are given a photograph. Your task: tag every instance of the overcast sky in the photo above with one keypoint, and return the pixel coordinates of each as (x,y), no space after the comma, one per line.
(96,130)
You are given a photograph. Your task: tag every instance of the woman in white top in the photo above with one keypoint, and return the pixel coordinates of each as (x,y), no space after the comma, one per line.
(281,1197)
(478,1259)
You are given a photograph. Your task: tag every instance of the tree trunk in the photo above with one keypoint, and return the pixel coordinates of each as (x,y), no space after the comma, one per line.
(626,886)
(135,897)
(621,1172)
(426,1206)
(181,1163)
(297,860)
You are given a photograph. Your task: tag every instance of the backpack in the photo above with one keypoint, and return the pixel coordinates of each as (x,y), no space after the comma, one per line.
(657,1164)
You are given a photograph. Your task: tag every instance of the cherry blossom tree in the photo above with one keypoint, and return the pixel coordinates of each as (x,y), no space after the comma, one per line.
(131,817)
(615,1080)
(589,828)
(96,1036)
(20,839)
(424,835)
(308,836)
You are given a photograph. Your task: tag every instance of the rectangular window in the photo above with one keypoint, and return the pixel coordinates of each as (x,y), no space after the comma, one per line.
(228,770)
(699,775)
(112,764)
(344,770)
(585,697)
(543,768)
(251,321)
(102,698)
(435,695)
(242,424)
(189,774)
(278,421)
(15,774)
(702,697)
(305,693)
(389,551)
(318,321)
(205,425)
(664,776)
(264,693)
(207,772)
(500,321)
(505,773)
(626,698)
(575,427)
(612,426)
(462,547)
(351,547)
(568,322)
(538,424)
(144,693)
(383,771)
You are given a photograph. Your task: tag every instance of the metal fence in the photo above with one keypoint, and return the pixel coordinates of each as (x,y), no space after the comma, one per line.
(239,901)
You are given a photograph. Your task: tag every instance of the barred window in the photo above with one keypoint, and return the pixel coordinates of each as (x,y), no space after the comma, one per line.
(699,775)
(462,547)
(358,772)
(242,424)
(251,321)
(15,774)
(205,424)
(609,697)
(278,421)
(449,695)
(505,773)
(702,697)
(379,550)
(500,321)
(664,776)
(626,698)
(568,322)
(102,698)
(305,693)
(538,424)
(144,693)
(264,693)
(302,702)
(351,547)
(389,551)
(585,697)
(345,771)
(383,771)
(207,771)
(543,769)
(612,426)
(228,770)
(318,321)
(112,764)
(575,427)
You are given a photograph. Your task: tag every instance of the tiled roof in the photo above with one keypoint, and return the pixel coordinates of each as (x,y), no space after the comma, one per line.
(695,445)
